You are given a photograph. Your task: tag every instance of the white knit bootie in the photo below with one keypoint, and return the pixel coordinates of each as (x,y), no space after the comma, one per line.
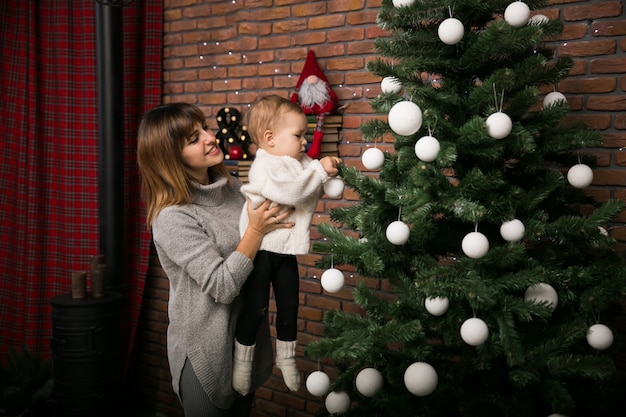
(242,367)
(286,362)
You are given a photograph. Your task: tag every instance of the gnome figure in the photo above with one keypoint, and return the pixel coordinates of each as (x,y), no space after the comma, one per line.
(315,96)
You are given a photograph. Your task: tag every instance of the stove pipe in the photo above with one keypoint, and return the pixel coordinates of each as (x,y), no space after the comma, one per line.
(111,138)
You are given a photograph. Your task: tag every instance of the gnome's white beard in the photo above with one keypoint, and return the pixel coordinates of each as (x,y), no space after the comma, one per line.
(310,95)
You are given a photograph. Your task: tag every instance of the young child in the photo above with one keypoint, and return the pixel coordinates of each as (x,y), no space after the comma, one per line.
(283,173)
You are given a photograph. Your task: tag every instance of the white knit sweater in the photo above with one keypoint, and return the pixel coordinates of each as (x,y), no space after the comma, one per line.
(291,182)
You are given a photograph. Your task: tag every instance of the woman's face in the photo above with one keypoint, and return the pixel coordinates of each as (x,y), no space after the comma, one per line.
(200,152)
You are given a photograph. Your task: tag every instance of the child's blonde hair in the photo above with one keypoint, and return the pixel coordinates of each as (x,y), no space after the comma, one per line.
(266,113)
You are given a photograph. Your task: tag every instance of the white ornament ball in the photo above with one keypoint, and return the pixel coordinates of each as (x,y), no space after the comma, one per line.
(552,98)
(517,14)
(405,118)
(474,331)
(369,381)
(580,176)
(373,158)
(333,188)
(599,337)
(420,378)
(337,402)
(542,292)
(403,3)
(538,19)
(475,245)
(437,306)
(427,148)
(318,383)
(603,231)
(451,31)
(557,415)
(512,230)
(397,232)
(332,280)
(390,85)
(499,125)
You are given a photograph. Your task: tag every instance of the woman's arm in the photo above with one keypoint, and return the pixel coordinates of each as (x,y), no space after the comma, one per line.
(188,250)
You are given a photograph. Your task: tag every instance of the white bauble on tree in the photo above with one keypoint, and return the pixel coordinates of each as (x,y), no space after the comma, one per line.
(499,125)
(552,98)
(542,292)
(369,381)
(538,19)
(390,85)
(337,402)
(420,378)
(599,337)
(437,306)
(398,232)
(373,158)
(405,118)
(403,3)
(451,31)
(557,415)
(318,383)
(474,331)
(333,187)
(512,230)
(580,176)
(427,148)
(332,280)
(475,245)
(517,14)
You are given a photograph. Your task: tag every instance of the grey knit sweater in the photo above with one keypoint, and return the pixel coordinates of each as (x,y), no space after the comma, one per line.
(196,246)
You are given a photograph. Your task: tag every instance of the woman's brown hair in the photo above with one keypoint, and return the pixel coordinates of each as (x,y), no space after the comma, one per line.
(162,134)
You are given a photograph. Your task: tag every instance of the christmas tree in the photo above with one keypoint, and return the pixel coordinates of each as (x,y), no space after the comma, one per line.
(496,269)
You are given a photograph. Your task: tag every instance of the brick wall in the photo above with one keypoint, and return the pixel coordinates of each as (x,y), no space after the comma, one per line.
(220,53)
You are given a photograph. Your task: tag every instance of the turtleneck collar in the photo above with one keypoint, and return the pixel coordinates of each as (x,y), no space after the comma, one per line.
(212,194)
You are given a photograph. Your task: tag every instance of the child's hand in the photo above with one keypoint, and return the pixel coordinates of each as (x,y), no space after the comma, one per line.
(329,163)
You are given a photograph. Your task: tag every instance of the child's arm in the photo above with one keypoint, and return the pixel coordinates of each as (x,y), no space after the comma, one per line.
(284,187)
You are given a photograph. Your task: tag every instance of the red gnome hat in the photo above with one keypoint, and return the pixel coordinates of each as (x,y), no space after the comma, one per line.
(311,69)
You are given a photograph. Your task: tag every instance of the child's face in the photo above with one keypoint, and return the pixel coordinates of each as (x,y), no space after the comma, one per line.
(288,137)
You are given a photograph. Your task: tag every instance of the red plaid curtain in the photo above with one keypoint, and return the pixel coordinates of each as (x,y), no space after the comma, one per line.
(49,212)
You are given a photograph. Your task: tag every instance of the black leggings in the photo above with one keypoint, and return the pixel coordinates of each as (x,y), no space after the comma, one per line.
(281,271)
(196,402)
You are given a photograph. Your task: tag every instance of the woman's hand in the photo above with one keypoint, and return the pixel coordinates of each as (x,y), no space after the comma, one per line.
(265,218)
(262,220)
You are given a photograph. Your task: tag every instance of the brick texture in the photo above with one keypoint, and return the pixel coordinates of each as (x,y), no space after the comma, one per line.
(219,53)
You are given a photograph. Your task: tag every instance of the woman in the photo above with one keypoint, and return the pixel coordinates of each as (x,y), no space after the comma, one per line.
(193,209)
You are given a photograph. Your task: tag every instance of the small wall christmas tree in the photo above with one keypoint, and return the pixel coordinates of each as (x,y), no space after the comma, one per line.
(233,136)
(501,270)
